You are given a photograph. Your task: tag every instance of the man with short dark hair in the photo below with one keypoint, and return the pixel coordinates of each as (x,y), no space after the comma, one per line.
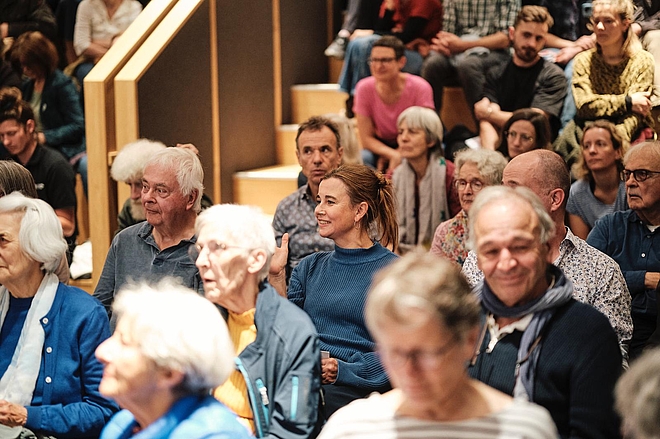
(319,150)
(538,342)
(526,81)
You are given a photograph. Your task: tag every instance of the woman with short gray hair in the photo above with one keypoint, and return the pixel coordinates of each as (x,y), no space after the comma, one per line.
(170,348)
(48,332)
(475,169)
(423,181)
(426,336)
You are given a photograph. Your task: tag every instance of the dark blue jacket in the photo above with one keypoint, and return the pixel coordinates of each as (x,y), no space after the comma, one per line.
(61,114)
(66,402)
(282,368)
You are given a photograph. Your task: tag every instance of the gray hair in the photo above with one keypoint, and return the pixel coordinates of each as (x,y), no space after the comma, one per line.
(426,119)
(179,330)
(653,147)
(497,194)
(490,164)
(349,140)
(128,165)
(16,177)
(40,235)
(244,225)
(187,168)
(638,397)
(422,282)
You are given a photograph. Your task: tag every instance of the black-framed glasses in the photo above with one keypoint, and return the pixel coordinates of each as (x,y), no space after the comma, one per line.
(639,175)
(476,185)
(524,138)
(387,60)
(212,247)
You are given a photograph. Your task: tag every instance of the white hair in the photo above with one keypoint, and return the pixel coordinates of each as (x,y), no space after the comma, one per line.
(497,194)
(186,167)
(179,330)
(40,235)
(638,397)
(245,225)
(128,166)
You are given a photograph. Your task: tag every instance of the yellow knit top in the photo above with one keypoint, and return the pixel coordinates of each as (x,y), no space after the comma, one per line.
(233,393)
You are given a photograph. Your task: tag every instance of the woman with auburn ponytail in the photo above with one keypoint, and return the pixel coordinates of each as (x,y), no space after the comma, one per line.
(356,210)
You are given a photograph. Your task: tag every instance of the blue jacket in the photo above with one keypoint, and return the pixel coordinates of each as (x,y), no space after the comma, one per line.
(66,402)
(626,239)
(61,114)
(282,368)
(192,417)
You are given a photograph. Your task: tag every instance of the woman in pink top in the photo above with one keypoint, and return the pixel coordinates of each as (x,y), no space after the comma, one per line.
(380,98)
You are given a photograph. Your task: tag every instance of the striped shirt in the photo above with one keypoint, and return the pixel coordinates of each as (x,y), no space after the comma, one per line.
(375,417)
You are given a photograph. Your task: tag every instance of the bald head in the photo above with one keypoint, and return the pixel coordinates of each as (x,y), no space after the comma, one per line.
(540,170)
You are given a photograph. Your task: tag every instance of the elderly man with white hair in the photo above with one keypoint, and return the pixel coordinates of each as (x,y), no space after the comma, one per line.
(171,198)
(128,167)
(170,348)
(275,387)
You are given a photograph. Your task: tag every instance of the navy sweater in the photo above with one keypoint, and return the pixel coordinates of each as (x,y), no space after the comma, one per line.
(578,366)
(332,288)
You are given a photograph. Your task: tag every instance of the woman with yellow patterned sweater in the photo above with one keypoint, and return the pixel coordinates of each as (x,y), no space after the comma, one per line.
(612,81)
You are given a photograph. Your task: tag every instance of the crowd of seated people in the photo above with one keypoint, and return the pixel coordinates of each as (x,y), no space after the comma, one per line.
(315,325)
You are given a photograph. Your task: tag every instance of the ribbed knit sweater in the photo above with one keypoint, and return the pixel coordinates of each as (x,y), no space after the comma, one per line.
(332,287)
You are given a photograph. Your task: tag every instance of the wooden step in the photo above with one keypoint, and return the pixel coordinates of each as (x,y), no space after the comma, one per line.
(316,99)
(265,187)
(285,142)
(334,68)
(455,110)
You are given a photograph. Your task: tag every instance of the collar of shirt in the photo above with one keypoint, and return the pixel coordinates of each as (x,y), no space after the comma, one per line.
(497,333)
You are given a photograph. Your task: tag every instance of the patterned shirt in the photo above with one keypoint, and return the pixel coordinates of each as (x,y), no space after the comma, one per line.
(295,215)
(451,237)
(479,17)
(596,278)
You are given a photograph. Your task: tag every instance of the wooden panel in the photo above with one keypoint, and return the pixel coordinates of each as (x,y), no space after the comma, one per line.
(316,99)
(246,87)
(286,144)
(100,128)
(455,109)
(303,40)
(265,187)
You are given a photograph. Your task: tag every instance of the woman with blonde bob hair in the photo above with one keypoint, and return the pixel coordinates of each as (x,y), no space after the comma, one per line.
(426,336)
(599,189)
(170,348)
(49,376)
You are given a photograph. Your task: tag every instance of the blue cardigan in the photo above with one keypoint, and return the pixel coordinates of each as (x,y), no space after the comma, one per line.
(192,417)
(60,113)
(66,402)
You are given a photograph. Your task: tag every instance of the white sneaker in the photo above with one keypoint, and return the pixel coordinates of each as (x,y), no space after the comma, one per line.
(337,49)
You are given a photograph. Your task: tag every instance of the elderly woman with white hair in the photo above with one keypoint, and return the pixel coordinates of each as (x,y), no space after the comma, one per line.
(425,321)
(275,387)
(475,169)
(423,182)
(170,348)
(49,376)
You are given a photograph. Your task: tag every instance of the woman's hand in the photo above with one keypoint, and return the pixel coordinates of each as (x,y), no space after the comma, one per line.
(329,368)
(12,415)
(641,103)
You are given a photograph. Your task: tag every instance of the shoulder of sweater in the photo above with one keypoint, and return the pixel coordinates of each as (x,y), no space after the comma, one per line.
(581,319)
